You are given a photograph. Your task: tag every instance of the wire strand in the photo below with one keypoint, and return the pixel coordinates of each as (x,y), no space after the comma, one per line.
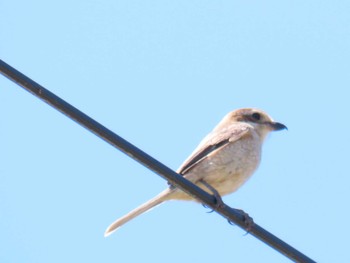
(132,151)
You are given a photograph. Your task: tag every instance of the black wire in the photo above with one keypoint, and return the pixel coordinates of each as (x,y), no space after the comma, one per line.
(132,151)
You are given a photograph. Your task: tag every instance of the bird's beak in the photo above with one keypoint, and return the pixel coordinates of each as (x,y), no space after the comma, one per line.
(277,126)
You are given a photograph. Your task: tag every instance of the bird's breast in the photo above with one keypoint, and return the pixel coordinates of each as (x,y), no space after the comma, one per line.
(231,166)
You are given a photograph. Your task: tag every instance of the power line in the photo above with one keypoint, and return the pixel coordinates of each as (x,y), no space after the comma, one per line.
(132,151)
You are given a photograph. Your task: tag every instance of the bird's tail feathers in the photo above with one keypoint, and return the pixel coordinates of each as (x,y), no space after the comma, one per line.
(157,200)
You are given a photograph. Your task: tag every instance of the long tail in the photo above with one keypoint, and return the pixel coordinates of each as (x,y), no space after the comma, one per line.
(160,198)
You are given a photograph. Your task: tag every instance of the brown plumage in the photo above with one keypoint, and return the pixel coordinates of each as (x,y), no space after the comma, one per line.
(225,159)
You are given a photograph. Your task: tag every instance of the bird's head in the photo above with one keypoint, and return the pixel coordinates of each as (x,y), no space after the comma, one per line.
(259,119)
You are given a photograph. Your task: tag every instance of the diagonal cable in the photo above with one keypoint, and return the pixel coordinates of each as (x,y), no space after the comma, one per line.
(132,151)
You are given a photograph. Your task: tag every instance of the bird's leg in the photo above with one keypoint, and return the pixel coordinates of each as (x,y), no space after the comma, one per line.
(248,221)
(218,199)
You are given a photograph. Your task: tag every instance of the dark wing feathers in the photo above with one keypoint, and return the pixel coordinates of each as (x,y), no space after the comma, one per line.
(212,142)
(201,155)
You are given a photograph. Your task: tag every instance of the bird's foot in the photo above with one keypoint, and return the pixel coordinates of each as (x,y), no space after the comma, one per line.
(219,203)
(248,221)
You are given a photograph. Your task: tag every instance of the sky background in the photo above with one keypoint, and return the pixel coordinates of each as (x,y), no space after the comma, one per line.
(162,74)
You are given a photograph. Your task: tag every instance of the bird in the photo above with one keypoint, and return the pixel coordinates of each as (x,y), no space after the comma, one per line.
(222,162)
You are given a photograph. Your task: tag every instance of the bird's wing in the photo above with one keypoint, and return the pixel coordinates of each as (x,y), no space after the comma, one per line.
(212,142)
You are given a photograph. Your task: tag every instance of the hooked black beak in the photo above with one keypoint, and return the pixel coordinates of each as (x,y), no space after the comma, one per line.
(277,126)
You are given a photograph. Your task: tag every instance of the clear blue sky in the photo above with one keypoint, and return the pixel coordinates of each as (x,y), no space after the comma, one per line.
(161,74)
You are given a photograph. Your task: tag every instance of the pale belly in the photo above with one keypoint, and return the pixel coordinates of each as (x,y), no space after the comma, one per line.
(226,170)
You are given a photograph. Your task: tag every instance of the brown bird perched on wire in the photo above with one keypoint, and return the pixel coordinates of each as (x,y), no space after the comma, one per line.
(222,162)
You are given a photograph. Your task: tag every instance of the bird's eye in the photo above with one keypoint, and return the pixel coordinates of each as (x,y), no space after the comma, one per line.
(256,116)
